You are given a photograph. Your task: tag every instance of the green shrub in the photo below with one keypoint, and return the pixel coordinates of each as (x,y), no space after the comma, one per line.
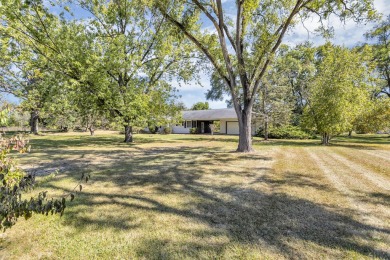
(285,132)
(153,129)
(193,130)
(167,130)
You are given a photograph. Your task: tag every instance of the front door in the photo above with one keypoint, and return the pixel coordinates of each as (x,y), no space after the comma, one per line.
(202,127)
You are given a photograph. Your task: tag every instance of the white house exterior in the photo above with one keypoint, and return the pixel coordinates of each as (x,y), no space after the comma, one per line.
(202,119)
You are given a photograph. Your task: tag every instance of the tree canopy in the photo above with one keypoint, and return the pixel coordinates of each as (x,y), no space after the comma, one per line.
(381,49)
(200,106)
(338,92)
(246,37)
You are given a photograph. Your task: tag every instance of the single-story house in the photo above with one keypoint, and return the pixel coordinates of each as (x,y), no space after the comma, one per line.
(202,119)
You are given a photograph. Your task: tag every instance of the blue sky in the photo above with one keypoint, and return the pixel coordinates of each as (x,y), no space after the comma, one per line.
(348,34)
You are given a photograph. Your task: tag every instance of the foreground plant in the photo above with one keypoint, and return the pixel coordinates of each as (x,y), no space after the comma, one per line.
(15,181)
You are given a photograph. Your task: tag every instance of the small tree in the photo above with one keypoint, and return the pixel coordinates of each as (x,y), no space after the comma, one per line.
(338,92)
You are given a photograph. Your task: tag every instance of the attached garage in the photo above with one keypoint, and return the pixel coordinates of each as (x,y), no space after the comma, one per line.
(232,128)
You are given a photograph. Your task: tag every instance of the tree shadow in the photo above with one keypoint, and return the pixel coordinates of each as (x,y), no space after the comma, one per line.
(376,198)
(251,216)
(246,214)
(293,179)
(92,141)
(368,139)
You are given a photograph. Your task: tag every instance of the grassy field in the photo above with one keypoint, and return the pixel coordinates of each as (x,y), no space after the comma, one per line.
(190,196)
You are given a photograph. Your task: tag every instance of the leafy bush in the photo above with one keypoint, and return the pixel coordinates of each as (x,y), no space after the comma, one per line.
(285,132)
(193,130)
(14,181)
(152,129)
(167,130)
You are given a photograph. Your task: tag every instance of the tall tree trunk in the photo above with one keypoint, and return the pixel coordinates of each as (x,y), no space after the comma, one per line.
(265,114)
(350,133)
(325,139)
(91,130)
(245,128)
(34,121)
(266,128)
(128,133)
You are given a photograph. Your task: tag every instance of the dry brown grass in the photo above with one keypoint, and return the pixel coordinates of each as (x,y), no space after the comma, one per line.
(186,197)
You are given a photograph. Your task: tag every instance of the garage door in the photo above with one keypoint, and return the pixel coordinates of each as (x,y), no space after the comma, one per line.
(232,128)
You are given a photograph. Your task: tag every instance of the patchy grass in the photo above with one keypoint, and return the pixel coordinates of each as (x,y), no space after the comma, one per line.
(190,196)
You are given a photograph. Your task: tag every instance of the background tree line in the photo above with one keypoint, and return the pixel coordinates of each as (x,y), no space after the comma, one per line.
(113,65)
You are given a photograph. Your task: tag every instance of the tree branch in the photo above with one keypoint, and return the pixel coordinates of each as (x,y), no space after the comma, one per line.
(192,38)
(258,78)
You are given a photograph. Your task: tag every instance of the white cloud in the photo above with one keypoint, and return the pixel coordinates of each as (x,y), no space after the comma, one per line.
(347,34)
(382,6)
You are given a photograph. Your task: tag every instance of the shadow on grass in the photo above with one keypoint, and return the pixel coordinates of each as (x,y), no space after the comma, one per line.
(92,141)
(361,144)
(367,139)
(209,138)
(376,198)
(293,179)
(252,217)
(244,214)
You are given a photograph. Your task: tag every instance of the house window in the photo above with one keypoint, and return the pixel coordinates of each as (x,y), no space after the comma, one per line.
(194,124)
(189,124)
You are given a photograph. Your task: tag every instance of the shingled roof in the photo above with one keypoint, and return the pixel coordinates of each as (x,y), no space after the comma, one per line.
(210,114)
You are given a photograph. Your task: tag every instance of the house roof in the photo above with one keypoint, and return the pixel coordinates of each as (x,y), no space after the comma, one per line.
(210,114)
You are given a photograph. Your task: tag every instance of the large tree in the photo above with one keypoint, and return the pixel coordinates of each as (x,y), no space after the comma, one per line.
(245,37)
(47,54)
(139,56)
(381,48)
(119,60)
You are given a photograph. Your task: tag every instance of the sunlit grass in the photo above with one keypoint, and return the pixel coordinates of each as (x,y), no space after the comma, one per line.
(191,196)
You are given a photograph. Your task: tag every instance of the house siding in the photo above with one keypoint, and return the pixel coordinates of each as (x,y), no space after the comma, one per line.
(180,130)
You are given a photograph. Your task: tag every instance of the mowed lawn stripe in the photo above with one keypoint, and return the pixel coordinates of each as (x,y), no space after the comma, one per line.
(359,156)
(332,177)
(365,172)
(301,178)
(347,184)
(193,197)
(382,154)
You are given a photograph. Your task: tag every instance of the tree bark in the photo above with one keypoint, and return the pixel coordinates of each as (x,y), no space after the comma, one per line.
(266,128)
(128,134)
(265,113)
(350,133)
(91,130)
(34,121)
(245,128)
(325,139)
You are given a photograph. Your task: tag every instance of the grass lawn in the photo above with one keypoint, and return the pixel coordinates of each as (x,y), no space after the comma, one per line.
(190,196)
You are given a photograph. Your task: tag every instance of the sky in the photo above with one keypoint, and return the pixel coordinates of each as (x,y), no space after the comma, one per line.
(348,34)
